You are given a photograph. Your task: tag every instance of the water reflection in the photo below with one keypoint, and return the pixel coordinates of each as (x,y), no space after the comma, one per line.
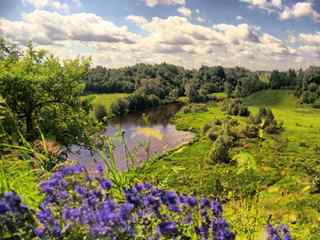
(146,134)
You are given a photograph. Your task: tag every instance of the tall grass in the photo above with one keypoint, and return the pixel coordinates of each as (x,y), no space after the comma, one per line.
(18,175)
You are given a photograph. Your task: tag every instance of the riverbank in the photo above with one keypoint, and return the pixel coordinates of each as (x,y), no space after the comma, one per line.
(274,176)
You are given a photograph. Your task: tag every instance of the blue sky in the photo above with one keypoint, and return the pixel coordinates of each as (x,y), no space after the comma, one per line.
(257,34)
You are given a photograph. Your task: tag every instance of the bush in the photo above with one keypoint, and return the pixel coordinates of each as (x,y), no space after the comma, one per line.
(195,108)
(316,104)
(206,128)
(266,121)
(220,151)
(100,112)
(235,107)
(120,107)
(214,133)
(217,122)
(244,111)
(251,131)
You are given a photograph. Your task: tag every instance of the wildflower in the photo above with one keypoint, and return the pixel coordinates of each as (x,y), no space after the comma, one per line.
(168,228)
(3,207)
(192,201)
(105,184)
(216,208)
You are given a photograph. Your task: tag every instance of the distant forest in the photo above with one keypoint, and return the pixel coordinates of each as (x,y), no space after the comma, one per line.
(152,85)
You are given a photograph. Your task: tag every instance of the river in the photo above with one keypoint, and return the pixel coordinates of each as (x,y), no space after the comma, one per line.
(146,134)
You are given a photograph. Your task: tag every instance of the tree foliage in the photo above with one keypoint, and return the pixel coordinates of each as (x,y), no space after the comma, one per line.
(44,92)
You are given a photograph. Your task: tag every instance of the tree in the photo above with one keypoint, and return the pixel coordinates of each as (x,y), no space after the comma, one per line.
(275,79)
(292,77)
(191,91)
(37,85)
(220,151)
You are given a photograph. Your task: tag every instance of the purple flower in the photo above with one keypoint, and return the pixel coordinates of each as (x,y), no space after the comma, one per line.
(105,184)
(3,207)
(75,203)
(205,203)
(216,208)
(171,197)
(192,201)
(100,169)
(39,232)
(168,228)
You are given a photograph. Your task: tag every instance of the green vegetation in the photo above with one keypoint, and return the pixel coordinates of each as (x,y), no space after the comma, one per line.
(42,93)
(101,103)
(256,145)
(275,174)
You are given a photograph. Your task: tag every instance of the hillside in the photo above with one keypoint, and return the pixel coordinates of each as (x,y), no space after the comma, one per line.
(280,168)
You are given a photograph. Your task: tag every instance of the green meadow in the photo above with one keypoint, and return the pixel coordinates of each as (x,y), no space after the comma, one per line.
(104,100)
(277,171)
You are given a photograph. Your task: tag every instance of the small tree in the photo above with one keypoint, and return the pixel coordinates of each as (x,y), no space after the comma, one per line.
(37,86)
(220,151)
(100,112)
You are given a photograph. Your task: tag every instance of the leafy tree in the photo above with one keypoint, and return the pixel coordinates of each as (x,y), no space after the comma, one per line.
(220,151)
(191,91)
(43,92)
(275,79)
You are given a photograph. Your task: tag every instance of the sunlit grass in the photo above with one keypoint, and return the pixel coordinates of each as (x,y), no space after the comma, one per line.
(105,100)
(282,162)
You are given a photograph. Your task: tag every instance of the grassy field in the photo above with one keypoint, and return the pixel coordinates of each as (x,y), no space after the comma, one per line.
(105,99)
(279,170)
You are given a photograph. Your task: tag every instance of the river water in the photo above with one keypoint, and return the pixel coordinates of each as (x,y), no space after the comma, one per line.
(146,135)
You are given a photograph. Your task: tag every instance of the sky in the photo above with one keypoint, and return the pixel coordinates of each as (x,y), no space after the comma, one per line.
(256,34)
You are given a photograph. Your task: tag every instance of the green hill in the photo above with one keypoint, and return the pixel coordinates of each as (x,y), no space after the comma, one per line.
(280,168)
(273,99)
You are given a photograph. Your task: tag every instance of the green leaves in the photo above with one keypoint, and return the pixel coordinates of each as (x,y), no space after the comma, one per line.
(44,93)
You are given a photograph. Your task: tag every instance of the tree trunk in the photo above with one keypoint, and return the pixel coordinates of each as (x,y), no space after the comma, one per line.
(29,124)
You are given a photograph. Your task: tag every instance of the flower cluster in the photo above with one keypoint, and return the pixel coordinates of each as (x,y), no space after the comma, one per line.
(80,205)
(280,233)
(16,220)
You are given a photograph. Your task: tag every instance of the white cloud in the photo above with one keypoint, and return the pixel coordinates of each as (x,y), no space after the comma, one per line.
(45,27)
(185,11)
(200,19)
(264,4)
(236,34)
(240,18)
(137,19)
(175,39)
(152,3)
(53,4)
(300,9)
(310,38)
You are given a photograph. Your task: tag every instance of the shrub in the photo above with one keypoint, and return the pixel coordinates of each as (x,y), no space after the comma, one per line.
(235,107)
(120,107)
(206,127)
(266,120)
(100,112)
(213,135)
(251,131)
(220,151)
(195,108)
(316,184)
(316,104)
(243,111)
(217,122)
